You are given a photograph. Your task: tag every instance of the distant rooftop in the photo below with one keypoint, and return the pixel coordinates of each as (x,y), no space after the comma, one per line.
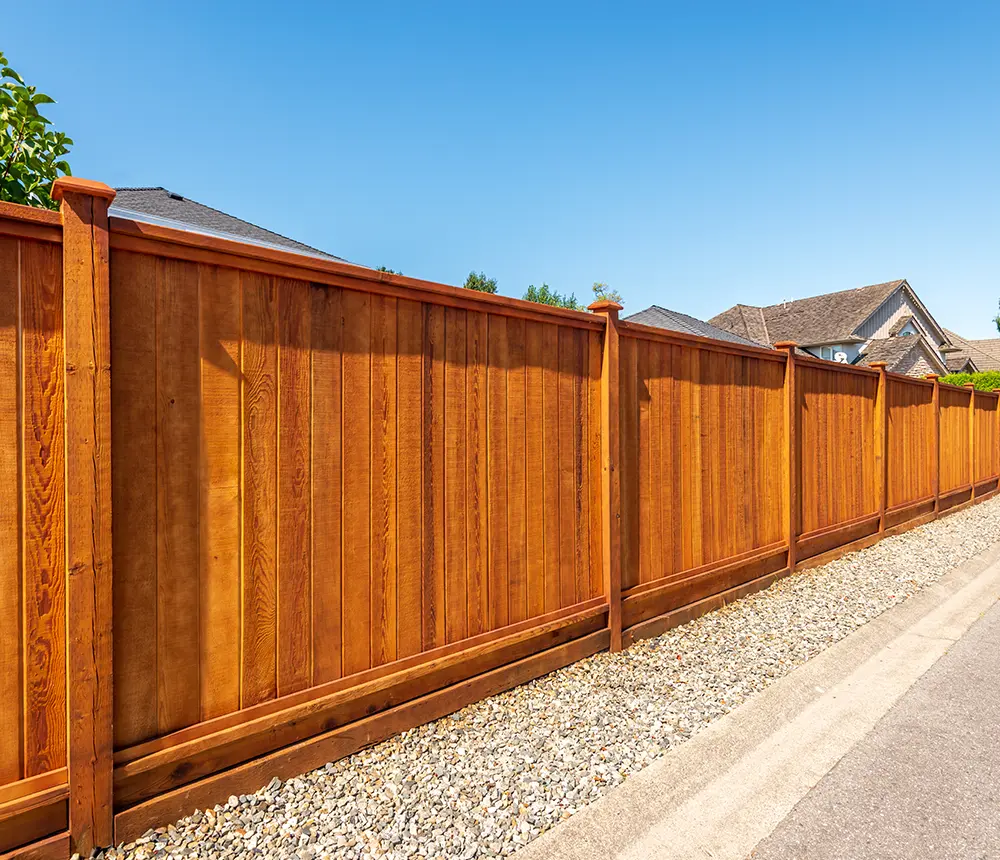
(676,321)
(167,209)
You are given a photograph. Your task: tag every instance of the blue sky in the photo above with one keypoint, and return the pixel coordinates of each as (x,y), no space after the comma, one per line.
(692,155)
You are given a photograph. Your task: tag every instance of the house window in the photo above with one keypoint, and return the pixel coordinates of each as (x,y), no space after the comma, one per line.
(826,352)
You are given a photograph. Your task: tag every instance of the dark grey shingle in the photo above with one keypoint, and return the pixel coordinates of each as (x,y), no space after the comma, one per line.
(676,321)
(163,204)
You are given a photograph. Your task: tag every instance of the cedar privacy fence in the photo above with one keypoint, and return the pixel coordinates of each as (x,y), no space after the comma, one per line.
(345,503)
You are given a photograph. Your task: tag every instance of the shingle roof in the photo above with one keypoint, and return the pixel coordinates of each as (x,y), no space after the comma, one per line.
(893,350)
(985,354)
(161,205)
(830,318)
(676,321)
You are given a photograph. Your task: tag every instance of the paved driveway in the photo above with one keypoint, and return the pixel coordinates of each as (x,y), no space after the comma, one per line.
(925,782)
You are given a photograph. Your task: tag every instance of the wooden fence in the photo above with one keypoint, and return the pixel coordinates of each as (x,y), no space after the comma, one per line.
(347,502)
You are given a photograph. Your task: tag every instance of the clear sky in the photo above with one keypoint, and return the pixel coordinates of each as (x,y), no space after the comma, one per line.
(691,155)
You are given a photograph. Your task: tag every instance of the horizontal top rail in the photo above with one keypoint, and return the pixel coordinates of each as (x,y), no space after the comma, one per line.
(950,387)
(835,366)
(181,244)
(647,332)
(30,222)
(910,380)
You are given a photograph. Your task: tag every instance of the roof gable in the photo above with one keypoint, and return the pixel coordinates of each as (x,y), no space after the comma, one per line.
(894,351)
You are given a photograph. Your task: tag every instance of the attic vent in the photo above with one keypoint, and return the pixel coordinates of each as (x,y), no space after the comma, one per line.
(174,196)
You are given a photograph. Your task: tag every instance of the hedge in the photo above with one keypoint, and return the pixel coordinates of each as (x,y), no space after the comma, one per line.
(985,381)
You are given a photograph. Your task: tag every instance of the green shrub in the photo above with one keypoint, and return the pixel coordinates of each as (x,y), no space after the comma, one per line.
(986,381)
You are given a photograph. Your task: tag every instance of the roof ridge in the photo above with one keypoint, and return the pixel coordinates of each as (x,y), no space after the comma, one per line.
(895,283)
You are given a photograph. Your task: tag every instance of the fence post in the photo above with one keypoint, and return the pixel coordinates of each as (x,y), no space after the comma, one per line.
(791,451)
(972,439)
(87,333)
(936,478)
(611,491)
(882,441)
(996,441)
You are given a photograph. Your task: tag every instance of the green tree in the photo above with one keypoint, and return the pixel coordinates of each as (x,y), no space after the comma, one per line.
(545,295)
(481,283)
(604,293)
(388,271)
(30,151)
(996,319)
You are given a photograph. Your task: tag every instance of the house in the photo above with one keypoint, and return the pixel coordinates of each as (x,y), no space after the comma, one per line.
(973,355)
(167,209)
(661,317)
(881,322)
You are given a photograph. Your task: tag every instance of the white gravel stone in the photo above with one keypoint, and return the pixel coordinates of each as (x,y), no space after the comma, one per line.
(493,776)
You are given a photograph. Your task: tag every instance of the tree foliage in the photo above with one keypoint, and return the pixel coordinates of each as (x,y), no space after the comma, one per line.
(985,381)
(545,295)
(31,152)
(604,293)
(480,283)
(996,319)
(388,271)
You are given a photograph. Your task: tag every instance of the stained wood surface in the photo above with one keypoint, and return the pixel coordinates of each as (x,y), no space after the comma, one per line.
(986,448)
(322,481)
(911,441)
(954,438)
(701,478)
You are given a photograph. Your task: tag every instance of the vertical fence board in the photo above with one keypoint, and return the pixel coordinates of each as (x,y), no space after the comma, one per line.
(219,522)
(357,482)
(294,570)
(44,584)
(260,499)
(134,282)
(433,478)
(10,515)
(455,429)
(595,524)
(516,501)
(550,464)
(534,456)
(409,458)
(497,471)
(327,323)
(477,549)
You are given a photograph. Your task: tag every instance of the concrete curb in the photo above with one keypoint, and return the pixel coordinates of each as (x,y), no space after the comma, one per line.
(717,795)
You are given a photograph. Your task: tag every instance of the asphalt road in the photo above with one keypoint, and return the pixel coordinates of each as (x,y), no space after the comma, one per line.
(925,782)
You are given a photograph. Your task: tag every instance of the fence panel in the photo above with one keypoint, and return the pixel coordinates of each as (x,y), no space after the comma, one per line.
(317,486)
(838,486)
(987,453)
(33,707)
(701,431)
(955,466)
(911,442)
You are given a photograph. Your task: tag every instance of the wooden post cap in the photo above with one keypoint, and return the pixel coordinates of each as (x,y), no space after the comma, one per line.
(969,385)
(878,365)
(604,305)
(75,185)
(933,377)
(785,344)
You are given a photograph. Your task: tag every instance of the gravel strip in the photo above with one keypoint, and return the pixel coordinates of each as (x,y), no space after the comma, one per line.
(495,775)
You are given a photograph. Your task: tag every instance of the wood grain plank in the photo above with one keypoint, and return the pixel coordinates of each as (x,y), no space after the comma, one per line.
(11,764)
(517,561)
(594,464)
(383,546)
(567,530)
(44,547)
(455,467)
(260,490)
(477,547)
(409,458)
(219,520)
(134,282)
(357,481)
(294,567)
(581,475)
(432,566)
(534,470)
(550,463)
(327,321)
(499,593)
(629,395)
